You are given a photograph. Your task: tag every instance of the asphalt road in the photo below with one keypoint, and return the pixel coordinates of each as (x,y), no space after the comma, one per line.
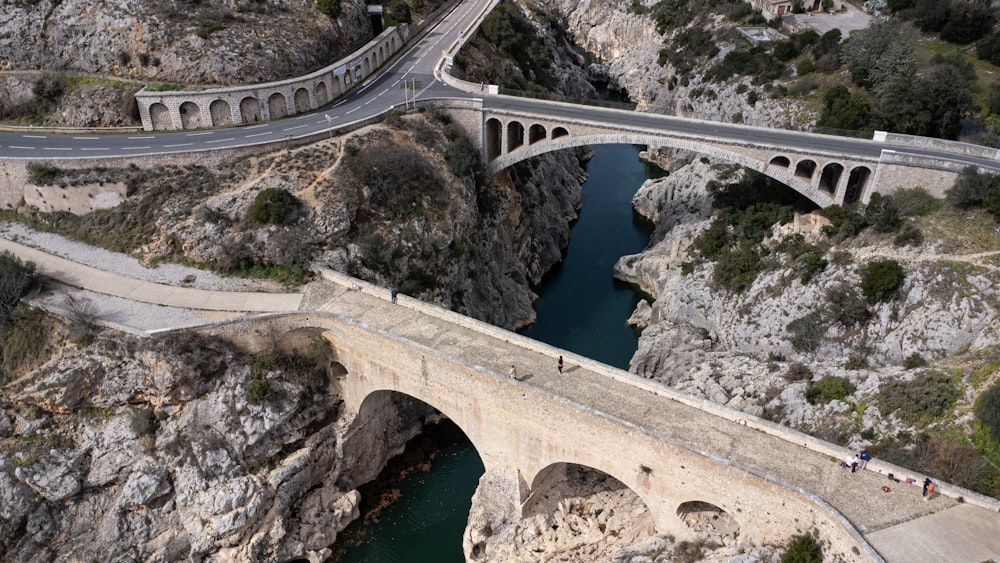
(415,68)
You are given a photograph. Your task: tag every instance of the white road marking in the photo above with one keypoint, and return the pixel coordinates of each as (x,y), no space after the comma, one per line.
(96,149)
(296,127)
(58,148)
(202,133)
(353,110)
(135,148)
(382,92)
(369,101)
(256,126)
(218,141)
(24,148)
(180,145)
(146,137)
(86,138)
(259,134)
(34,136)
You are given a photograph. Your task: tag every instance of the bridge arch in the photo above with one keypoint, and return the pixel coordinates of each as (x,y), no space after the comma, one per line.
(277,107)
(494,138)
(550,484)
(515,135)
(190,115)
(536,133)
(160,116)
(222,114)
(302,104)
(782,161)
(497,158)
(250,109)
(856,184)
(829,179)
(805,169)
(320,94)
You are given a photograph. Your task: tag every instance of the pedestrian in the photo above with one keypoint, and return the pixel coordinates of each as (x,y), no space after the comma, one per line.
(846,463)
(560,364)
(927,485)
(854,463)
(513,371)
(865,458)
(393,293)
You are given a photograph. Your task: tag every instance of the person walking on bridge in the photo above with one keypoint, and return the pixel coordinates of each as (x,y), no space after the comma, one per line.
(560,365)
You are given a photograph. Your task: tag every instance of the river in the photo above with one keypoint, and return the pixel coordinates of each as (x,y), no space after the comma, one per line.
(580,308)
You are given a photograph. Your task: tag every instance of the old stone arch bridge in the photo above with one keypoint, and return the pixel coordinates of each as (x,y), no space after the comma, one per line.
(677,453)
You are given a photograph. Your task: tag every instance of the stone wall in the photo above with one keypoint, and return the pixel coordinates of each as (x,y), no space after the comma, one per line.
(221,107)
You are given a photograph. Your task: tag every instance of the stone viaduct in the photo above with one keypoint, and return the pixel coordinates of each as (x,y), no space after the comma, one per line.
(679,454)
(241,105)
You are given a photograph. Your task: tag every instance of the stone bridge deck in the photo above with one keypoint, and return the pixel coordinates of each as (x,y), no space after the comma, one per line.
(961,532)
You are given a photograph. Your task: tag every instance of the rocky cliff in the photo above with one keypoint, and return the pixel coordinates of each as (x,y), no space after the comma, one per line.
(183,447)
(77,63)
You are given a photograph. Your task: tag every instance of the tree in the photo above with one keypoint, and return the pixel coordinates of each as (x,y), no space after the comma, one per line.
(882,214)
(930,105)
(883,51)
(845,110)
(882,280)
(988,411)
(988,49)
(967,22)
(399,10)
(329,7)
(17,278)
(970,188)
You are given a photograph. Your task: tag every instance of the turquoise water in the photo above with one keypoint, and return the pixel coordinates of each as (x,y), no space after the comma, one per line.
(580,308)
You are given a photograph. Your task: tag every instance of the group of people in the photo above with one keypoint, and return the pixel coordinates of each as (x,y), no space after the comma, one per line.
(860,461)
(856,462)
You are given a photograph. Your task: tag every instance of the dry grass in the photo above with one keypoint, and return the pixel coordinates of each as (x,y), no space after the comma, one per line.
(959,231)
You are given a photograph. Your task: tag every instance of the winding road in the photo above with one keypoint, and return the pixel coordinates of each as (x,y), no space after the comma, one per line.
(412,76)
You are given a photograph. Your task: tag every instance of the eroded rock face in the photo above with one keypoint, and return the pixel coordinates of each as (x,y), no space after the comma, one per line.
(161,456)
(208,42)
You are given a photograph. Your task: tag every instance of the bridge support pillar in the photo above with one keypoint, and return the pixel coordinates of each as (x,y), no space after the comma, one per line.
(841,189)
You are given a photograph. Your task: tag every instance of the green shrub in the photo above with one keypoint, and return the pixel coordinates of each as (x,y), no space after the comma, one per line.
(883,214)
(143,422)
(914,360)
(856,363)
(273,206)
(915,202)
(881,281)
(970,188)
(399,11)
(844,221)
(908,234)
(988,411)
(24,341)
(803,549)
(812,264)
(462,157)
(42,173)
(928,397)
(736,270)
(257,390)
(847,307)
(329,7)
(806,332)
(828,388)
(798,372)
(17,278)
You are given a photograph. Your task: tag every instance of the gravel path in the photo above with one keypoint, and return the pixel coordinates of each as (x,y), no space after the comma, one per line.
(125,265)
(121,313)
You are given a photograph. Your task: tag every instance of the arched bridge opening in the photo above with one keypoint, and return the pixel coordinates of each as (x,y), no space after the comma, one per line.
(596,501)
